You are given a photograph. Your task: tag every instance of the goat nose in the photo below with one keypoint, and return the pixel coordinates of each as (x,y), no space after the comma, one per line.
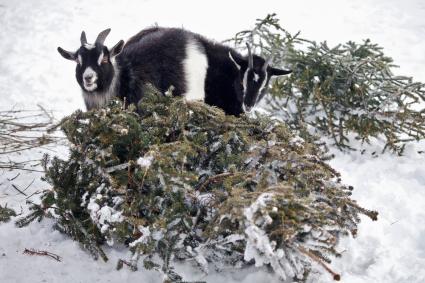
(88,77)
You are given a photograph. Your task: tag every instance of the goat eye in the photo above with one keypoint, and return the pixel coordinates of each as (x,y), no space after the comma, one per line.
(105,59)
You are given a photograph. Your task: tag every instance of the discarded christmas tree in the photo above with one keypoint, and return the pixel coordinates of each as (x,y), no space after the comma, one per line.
(342,91)
(181,180)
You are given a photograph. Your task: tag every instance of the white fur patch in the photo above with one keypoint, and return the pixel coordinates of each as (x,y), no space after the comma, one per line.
(99,60)
(89,46)
(195,69)
(263,85)
(91,84)
(256,77)
(80,60)
(245,81)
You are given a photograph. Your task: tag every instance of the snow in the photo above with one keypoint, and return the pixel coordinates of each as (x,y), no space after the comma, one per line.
(258,246)
(32,72)
(391,249)
(144,238)
(145,162)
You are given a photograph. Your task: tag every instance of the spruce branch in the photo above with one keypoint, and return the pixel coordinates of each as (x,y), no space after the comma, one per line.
(349,88)
(335,276)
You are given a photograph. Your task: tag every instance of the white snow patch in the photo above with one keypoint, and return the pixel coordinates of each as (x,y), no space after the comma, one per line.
(144,238)
(145,162)
(258,246)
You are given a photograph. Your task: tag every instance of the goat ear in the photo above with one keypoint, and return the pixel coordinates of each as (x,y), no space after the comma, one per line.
(277,72)
(237,60)
(117,48)
(67,54)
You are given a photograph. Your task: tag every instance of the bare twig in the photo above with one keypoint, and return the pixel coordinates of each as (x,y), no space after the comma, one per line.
(22,130)
(17,175)
(26,188)
(36,193)
(42,253)
(12,167)
(16,188)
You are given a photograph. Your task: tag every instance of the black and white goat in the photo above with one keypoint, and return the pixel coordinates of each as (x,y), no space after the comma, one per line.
(196,67)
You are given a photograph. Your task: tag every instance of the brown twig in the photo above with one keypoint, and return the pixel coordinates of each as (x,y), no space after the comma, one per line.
(42,253)
(26,188)
(370,213)
(17,175)
(12,167)
(335,275)
(213,179)
(36,193)
(17,129)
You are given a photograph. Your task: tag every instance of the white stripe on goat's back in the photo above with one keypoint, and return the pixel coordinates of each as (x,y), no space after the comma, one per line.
(195,69)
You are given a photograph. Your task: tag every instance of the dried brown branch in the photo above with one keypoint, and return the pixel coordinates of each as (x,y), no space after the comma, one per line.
(22,130)
(42,253)
(335,276)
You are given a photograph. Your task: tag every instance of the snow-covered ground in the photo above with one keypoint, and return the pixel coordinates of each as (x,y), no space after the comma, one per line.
(32,72)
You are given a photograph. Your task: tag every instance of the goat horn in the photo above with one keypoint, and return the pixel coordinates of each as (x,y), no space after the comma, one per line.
(250,59)
(102,36)
(83,38)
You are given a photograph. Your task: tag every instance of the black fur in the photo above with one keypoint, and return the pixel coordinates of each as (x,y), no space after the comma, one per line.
(223,84)
(156,55)
(157,59)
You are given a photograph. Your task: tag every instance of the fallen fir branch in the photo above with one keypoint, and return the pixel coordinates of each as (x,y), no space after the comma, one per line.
(337,91)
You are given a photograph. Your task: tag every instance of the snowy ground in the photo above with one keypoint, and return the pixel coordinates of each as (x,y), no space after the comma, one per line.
(32,72)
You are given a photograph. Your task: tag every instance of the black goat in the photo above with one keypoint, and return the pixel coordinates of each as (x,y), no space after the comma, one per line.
(196,67)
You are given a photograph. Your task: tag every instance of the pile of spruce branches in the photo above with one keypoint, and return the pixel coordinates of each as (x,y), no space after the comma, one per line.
(182,181)
(341,91)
